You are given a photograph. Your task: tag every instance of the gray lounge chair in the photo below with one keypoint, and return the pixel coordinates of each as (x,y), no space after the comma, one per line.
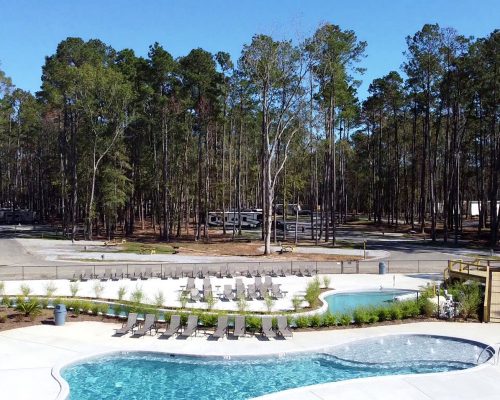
(117,275)
(190,284)
(240,291)
(107,274)
(195,294)
(222,324)
(176,272)
(192,325)
(267,327)
(283,327)
(148,325)
(252,294)
(173,326)
(228,292)
(206,283)
(276,291)
(203,272)
(86,275)
(128,325)
(239,326)
(258,283)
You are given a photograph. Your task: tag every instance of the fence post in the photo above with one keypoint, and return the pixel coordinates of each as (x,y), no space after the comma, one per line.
(57,270)
(342,267)
(316,267)
(357,266)
(418,268)
(23,271)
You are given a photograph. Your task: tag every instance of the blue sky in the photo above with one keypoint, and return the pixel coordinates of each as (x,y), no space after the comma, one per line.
(31,30)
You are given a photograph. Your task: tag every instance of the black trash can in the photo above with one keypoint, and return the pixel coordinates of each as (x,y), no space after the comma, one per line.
(60,314)
(382,268)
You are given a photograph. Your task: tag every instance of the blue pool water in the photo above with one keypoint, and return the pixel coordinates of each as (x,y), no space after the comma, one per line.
(155,376)
(347,302)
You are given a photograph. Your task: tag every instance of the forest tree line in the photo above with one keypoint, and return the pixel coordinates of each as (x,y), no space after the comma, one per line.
(116,140)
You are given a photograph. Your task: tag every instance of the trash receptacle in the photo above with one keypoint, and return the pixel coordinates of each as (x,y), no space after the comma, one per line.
(382,268)
(60,314)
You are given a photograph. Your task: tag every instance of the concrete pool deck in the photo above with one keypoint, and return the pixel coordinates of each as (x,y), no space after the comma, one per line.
(28,355)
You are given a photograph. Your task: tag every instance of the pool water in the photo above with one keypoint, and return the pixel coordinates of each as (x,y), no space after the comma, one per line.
(347,302)
(156,376)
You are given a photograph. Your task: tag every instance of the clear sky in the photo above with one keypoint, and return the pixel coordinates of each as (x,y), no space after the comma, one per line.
(31,30)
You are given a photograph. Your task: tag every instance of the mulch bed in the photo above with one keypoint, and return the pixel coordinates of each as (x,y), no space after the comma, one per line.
(14,319)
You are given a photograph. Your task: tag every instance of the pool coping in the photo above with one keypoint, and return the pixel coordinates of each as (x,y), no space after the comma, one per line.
(65,389)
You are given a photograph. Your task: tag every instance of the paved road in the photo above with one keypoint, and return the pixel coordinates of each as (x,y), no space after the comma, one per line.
(13,253)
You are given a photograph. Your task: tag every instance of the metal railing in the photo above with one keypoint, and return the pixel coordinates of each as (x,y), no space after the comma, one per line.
(167,270)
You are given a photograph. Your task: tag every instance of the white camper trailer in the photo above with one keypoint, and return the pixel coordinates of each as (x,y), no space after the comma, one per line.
(249,218)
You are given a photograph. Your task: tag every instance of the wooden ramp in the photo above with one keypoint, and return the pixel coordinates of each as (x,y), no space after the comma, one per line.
(495,297)
(483,271)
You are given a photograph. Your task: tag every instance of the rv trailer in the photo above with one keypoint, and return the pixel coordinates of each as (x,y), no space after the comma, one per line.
(249,218)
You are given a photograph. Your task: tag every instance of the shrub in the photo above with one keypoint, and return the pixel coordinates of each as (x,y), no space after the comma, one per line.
(302,321)
(137,296)
(296,302)
(3,318)
(74,288)
(329,319)
(25,289)
(50,289)
(99,308)
(361,316)
(345,319)
(210,299)
(2,288)
(326,281)
(427,307)
(315,320)
(469,297)
(269,302)
(183,299)
(209,319)
(29,308)
(159,299)
(98,289)
(372,316)
(122,291)
(242,304)
(409,309)
(313,291)
(428,292)
(396,312)
(383,313)
(253,323)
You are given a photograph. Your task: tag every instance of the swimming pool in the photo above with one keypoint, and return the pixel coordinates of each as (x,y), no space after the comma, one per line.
(348,301)
(130,375)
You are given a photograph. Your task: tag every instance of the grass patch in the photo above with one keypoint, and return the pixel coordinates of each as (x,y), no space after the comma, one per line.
(145,248)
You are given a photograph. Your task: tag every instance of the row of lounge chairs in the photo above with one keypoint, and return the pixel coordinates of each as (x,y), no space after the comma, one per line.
(140,273)
(175,327)
(257,290)
(253,291)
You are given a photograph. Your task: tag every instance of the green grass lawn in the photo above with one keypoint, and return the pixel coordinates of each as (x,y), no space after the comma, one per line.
(145,248)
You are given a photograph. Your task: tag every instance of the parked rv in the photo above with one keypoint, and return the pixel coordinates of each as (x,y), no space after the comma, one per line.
(249,218)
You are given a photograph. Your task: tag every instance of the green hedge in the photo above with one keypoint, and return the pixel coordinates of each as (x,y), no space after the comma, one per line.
(360,316)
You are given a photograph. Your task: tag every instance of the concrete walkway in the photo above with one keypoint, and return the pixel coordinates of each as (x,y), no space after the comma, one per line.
(27,356)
